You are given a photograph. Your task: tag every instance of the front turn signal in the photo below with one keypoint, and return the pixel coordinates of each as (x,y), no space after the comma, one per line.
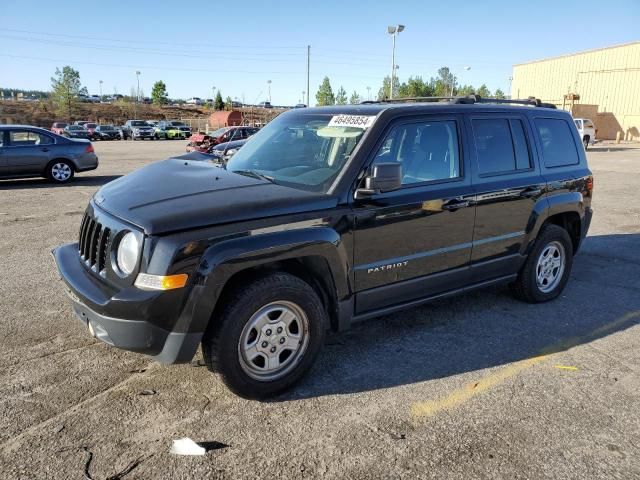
(146,281)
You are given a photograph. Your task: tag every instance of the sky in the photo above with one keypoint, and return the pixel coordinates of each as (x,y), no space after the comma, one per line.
(238,47)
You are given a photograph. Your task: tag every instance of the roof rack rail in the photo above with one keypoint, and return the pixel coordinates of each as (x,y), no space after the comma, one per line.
(466,100)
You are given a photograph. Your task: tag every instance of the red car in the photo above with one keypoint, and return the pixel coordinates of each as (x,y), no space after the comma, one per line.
(200,142)
(91,128)
(58,127)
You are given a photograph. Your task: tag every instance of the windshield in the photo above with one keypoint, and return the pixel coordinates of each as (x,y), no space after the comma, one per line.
(220,131)
(139,123)
(106,127)
(302,150)
(75,127)
(178,124)
(90,125)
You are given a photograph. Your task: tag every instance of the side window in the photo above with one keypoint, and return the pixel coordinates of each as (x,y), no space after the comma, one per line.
(588,124)
(42,139)
(1,138)
(427,151)
(20,138)
(578,124)
(558,146)
(501,145)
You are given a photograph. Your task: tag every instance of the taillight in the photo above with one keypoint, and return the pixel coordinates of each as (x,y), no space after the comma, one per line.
(89,149)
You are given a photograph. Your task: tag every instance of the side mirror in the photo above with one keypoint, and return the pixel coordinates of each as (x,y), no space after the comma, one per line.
(384,177)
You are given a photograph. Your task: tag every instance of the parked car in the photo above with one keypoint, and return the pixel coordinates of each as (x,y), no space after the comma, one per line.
(195,101)
(94,98)
(140,130)
(91,128)
(169,132)
(75,131)
(125,132)
(586,130)
(265,105)
(82,123)
(224,151)
(106,132)
(326,217)
(58,127)
(202,143)
(27,151)
(300,105)
(166,124)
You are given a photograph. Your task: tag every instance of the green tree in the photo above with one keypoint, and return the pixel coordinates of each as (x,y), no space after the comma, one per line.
(325,94)
(355,98)
(463,90)
(218,103)
(499,94)
(443,83)
(483,91)
(65,87)
(228,104)
(383,93)
(341,96)
(415,87)
(159,93)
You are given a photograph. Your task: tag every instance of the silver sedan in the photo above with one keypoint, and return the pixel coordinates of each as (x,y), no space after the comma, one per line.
(27,151)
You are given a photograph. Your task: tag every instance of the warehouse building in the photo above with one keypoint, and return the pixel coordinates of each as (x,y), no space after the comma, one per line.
(602,84)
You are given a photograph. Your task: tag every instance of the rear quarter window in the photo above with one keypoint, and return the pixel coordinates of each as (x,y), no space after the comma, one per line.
(558,145)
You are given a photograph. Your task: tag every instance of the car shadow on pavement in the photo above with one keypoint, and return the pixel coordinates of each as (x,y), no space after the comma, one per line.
(28,183)
(484,329)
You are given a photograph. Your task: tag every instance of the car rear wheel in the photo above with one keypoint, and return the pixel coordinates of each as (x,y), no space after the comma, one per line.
(547,268)
(267,336)
(60,171)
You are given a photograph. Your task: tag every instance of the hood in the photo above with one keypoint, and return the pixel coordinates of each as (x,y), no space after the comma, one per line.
(174,195)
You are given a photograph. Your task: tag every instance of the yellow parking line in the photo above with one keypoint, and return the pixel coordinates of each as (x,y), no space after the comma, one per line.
(565,367)
(460,396)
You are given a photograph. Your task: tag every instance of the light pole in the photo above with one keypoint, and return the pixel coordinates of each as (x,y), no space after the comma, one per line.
(269,87)
(510,81)
(303,92)
(453,79)
(369,93)
(137,94)
(213,94)
(393,31)
(100,83)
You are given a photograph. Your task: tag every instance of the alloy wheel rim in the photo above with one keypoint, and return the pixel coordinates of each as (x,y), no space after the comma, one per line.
(550,266)
(273,341)
(61,172)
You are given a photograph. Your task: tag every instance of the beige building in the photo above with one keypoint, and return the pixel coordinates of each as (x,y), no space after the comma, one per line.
(602,84)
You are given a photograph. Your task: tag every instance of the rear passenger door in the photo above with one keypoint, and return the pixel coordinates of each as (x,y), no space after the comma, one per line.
(509,187)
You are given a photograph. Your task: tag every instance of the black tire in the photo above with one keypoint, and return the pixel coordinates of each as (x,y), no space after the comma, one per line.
(526,287)
(221,344)
(60,171)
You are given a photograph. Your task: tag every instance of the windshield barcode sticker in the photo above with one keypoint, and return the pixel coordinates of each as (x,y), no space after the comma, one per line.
(357,121)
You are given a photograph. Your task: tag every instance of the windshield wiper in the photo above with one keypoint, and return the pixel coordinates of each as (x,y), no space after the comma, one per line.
(254,174)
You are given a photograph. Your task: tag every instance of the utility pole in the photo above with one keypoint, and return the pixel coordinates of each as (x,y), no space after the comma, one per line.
(100,82)
(308,70)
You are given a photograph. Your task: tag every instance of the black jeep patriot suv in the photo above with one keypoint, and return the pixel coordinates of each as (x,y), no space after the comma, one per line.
(325,217)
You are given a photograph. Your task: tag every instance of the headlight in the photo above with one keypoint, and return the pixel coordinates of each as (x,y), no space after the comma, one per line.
(231,151)
(128,250)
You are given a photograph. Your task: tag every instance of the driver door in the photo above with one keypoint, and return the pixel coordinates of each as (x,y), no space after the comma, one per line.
(415,242)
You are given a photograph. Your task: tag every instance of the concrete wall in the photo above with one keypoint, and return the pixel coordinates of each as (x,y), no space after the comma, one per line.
(607,79)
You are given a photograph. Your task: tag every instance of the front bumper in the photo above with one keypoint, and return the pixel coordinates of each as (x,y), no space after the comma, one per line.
(93,303)
(144,135)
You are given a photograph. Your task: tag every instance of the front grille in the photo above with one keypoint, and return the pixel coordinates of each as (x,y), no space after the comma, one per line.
(93,243)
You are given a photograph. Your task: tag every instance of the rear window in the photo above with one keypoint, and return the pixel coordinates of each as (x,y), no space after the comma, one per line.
(558,146)
(501,145)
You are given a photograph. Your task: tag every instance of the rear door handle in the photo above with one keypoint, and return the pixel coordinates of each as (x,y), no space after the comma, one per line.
(45,149)
(456,204)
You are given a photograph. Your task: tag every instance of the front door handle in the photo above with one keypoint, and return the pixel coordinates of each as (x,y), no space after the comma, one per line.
(456,204)
(44,149)
(531,192)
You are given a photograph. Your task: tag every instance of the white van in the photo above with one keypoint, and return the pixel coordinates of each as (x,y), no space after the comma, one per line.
(587,131)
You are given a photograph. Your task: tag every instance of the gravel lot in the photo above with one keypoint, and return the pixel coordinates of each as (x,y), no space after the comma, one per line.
(476,386)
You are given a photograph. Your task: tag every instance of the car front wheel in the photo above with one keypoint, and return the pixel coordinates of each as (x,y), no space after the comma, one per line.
(547,268)
(267,336)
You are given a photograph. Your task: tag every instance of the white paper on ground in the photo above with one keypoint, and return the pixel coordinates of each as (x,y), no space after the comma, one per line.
(186,446)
